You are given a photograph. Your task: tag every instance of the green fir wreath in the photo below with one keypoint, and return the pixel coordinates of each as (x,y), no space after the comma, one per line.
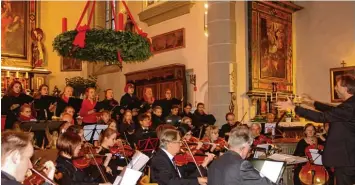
(101,45)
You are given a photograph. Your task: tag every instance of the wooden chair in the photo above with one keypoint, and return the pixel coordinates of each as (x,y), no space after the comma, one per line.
(145,180)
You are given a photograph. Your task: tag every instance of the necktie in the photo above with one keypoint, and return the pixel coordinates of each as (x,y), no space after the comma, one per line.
(176,168)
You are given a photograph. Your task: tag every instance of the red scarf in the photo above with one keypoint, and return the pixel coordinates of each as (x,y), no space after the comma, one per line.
(25,118)
(66,99)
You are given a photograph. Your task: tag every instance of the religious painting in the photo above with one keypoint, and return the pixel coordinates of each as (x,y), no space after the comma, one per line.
(71,64)
(335,73)
(18,18)
(270,45)
(169,41)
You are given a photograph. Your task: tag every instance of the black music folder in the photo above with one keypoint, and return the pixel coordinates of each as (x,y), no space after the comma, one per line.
(41,125)
(270,169)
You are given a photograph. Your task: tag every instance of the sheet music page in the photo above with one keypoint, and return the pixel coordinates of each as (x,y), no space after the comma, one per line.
(138,161)
(290,159)
(316,157)
(117,180)
(130,177)
(271,170)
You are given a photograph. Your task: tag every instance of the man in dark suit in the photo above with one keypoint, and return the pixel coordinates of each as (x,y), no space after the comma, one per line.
(163,167)
(231,168)
(339,151)
(16,151)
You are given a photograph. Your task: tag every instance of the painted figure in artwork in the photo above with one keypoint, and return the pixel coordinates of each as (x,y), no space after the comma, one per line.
(12,27)
(273,49)
(37,48)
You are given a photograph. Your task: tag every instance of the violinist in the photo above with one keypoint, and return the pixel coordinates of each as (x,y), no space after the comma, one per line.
(87,110)
(12,101)
(226,128)
(309,139)
(186,133)
(212,142)
(258,137)
(16,152)
(69,145)
(163,167)
(63,101)
(129,100)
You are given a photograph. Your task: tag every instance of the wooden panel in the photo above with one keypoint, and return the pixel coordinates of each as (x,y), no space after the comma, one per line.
(179,90)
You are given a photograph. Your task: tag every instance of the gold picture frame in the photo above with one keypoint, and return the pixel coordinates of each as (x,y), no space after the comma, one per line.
(270,46)
(334,73)
(22,17)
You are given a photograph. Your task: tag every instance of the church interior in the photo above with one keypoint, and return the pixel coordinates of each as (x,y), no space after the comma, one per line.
(223,58)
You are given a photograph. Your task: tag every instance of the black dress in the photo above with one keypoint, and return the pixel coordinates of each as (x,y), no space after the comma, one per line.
(11,115)
(115,162)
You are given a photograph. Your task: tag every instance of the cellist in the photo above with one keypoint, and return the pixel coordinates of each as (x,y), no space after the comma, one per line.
(309,139)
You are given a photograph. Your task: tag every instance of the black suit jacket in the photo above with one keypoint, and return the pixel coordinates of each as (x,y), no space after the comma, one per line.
(339,148)
(231,169)
(163,171)
(8,179)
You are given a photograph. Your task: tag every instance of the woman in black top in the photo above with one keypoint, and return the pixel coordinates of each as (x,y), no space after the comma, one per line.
(12,101)
(113,165)
(309,139)
(69,145)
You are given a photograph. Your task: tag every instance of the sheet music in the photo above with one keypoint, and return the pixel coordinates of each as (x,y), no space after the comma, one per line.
(272,170)
(138,161)
(88,131)
(130,177)
(316,157)
(289,159)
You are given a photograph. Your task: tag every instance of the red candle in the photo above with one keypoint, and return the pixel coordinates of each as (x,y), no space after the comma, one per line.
(64,25)
(120,21)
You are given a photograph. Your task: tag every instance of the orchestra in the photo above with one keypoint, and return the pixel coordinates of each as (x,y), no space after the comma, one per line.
(190,147)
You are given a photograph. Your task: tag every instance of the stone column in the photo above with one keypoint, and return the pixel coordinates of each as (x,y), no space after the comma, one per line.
(221,52)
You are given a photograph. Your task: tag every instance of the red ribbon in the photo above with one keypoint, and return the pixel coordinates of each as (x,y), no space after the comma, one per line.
(80,36)
(119,57)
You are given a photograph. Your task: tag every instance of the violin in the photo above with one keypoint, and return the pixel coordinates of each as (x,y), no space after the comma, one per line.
(185,158)
(220,143)
(122,149)
(87,156)
(192,143)
(38,178)
(312,174)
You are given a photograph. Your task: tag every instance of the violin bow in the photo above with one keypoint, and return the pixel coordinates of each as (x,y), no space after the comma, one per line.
(243,117)
(98,167)
(188,148)
(44,177)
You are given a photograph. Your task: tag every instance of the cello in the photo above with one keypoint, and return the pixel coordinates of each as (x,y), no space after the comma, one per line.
(313,174)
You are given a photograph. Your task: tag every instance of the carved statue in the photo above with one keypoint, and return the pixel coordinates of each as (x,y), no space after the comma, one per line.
(52,139)
(56,91)
(37,48)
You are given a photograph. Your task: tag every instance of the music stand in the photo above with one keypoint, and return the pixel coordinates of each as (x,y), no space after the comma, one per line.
(272,170)
(92,132)
(148,145)
(41,125)
(316,156)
